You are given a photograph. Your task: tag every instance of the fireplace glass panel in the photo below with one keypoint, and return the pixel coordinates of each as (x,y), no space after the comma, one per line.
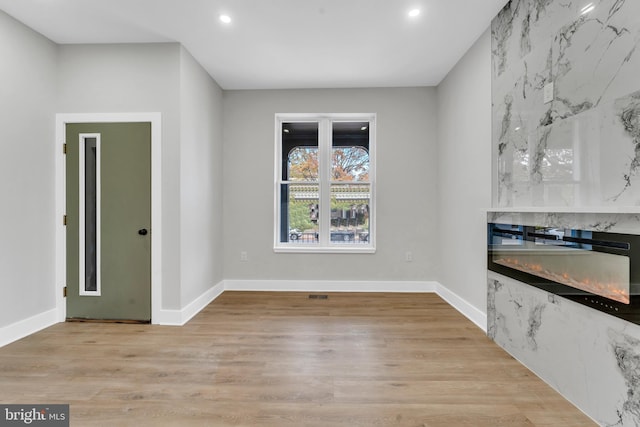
(566,257)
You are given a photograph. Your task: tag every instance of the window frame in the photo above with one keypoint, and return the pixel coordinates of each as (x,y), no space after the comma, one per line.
(325,141)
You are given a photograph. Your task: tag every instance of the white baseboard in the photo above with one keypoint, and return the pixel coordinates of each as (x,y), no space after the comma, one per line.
(23,328)
(180,317)
(469,311)
(460,304)
(18,330)
(328,286)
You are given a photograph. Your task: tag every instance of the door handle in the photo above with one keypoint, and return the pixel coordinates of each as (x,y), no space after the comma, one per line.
(143,232)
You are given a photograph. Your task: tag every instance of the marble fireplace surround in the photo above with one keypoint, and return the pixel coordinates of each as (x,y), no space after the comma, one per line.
(566,103)
(566,134)
(591,358)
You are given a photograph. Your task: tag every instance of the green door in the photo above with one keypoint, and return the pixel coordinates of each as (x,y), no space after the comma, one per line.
(108,196)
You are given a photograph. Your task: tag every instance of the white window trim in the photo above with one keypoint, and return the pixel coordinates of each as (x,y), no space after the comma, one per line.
(324,245)
(82,216)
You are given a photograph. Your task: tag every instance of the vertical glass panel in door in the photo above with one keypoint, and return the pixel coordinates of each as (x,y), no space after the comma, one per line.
(90,215)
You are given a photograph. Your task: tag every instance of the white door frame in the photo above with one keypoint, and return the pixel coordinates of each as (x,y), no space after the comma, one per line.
(156,201)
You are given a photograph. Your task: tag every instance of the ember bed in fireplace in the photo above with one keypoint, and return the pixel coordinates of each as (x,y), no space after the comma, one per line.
(598,269)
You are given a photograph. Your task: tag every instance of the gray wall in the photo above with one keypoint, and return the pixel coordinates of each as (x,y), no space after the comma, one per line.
(27,129)
(200,180)
(164,78)
(406,185)
(48,79)
(464,172)
(134,78)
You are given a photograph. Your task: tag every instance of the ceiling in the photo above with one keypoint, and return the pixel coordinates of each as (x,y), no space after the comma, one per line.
(278,44)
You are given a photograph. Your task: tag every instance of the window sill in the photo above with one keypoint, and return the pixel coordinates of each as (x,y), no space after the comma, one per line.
(323,250)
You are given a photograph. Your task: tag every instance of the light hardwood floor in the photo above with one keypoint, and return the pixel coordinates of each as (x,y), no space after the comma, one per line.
(282,359)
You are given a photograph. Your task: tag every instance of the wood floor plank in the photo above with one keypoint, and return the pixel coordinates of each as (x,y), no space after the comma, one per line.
(282,359)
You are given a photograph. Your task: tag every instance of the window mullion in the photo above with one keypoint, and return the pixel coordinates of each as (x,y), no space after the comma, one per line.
(324,172)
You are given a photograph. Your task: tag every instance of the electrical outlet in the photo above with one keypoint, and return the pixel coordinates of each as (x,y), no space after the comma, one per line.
(408,256)
(244,257)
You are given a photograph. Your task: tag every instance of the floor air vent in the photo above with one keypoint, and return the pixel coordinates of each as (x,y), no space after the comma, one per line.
(318,296)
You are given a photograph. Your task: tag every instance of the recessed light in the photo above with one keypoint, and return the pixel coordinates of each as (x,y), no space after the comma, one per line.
(414,12)
(363,128)
(286,130)
(225,18)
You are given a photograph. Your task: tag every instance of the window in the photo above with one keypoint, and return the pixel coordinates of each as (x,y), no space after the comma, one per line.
(325,183)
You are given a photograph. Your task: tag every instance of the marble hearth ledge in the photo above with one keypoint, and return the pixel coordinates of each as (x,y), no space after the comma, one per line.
(569,210)
(624,220)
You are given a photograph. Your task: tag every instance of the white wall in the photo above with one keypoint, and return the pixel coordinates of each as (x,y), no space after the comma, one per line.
(464,172)
(200,180)
(406,179)
(134,78)
(27,129)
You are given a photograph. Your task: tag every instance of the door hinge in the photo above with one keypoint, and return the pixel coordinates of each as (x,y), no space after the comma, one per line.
(64,292)
(64,148)
(64,220)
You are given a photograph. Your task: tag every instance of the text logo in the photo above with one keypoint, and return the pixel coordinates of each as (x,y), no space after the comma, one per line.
(34,415)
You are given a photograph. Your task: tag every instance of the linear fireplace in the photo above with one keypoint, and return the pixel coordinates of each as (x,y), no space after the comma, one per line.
(598,269)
